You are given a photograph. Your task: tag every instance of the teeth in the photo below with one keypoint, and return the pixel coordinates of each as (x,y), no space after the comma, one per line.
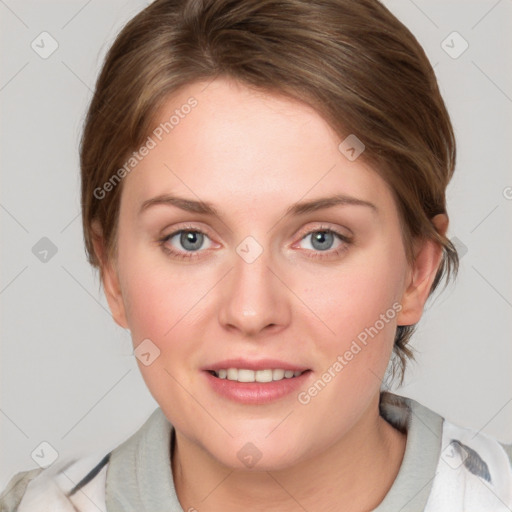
(244,375)
(277,374)
(263,376)
(232,374)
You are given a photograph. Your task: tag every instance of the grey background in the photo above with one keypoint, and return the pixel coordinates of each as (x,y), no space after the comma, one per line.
(68,376)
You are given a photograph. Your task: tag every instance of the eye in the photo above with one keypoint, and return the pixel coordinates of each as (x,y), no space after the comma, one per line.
(184,243)
(187,243)
(326,241)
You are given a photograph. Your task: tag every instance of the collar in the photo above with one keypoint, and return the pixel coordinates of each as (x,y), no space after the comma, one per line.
(139,474)
(412,485)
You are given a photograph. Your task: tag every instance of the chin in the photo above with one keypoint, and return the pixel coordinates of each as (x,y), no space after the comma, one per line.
(258,455)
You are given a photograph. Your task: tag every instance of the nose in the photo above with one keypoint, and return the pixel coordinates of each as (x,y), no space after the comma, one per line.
(254,297)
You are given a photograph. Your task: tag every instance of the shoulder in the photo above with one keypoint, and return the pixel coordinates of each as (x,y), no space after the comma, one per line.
(473,474)
(71,485)
(474,471)
(13,493)
(470,446)
(402,411)
(79,482)
(467,470)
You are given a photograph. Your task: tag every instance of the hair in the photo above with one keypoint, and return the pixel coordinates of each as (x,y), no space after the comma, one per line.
(359,67)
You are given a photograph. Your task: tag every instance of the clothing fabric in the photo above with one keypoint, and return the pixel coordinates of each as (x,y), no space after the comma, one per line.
(446,468)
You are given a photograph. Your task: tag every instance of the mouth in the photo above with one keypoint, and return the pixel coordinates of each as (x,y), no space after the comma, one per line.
(261,376)
(256,382)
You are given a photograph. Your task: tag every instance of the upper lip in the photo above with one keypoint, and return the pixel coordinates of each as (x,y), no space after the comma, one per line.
(261,364)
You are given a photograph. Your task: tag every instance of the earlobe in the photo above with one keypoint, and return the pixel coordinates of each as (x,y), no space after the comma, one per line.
(428,256)
(109,278)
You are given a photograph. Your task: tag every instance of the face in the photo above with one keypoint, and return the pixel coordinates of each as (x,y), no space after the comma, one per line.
(297,264)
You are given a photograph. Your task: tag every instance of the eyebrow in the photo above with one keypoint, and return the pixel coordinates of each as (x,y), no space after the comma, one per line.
(205,208)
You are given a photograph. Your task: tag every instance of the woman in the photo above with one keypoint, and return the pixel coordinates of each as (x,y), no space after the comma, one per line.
(303,150)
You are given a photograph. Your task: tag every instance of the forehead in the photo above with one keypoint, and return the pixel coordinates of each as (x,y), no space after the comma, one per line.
(245,147)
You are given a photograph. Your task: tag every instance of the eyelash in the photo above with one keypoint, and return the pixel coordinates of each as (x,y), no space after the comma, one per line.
(315,254)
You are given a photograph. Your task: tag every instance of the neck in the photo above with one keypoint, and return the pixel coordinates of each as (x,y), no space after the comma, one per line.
(353,474)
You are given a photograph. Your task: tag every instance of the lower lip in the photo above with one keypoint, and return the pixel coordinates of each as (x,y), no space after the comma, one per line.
(256,392)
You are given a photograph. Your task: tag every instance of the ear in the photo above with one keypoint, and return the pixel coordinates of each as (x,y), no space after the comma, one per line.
(109,278)
(421,275)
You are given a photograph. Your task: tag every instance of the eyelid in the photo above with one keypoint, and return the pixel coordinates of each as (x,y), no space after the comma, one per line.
(303,233)
(186,228)
(325,227)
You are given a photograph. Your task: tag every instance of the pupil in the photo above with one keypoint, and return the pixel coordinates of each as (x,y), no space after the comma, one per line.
(322,237)
(192,238)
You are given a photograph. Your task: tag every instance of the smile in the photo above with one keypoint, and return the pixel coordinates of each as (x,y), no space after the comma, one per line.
(246,375)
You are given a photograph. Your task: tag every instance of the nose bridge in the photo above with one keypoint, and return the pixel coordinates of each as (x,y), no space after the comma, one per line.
(255,298)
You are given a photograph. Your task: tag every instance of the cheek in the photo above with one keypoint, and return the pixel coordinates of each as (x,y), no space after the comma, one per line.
(354,296)
(360,303)
(161,305)
(155,295)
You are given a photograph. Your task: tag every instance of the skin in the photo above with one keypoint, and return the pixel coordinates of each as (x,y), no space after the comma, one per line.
(253,155)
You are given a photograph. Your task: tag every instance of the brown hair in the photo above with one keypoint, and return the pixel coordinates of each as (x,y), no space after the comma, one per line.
(352,61)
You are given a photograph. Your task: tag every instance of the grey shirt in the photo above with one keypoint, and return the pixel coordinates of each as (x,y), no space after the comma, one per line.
(140,475)
(445,468)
